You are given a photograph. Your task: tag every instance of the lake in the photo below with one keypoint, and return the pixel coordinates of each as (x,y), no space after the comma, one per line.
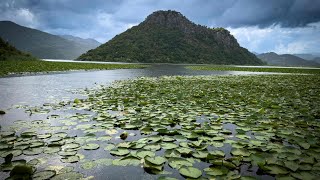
(20,94)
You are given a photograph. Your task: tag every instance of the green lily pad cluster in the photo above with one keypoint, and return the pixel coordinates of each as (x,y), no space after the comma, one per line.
(200,127)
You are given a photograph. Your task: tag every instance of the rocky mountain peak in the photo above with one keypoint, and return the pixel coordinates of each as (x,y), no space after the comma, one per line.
(171,19)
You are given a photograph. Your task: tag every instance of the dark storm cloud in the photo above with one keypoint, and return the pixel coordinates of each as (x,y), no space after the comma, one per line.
(232,13)
(286,13)
(103,19)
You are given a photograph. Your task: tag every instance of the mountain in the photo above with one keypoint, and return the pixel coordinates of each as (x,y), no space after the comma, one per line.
(8,52)
(316,59)
(90,43)
(305,56)
(41,44)
(272,58)
(169,37)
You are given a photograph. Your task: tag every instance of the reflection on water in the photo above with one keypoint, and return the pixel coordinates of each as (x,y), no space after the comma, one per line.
(39,89)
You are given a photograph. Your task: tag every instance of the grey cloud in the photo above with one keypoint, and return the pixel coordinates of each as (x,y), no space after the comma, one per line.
(102,20)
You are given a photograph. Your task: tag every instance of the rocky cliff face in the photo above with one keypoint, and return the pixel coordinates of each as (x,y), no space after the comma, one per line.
(169,37)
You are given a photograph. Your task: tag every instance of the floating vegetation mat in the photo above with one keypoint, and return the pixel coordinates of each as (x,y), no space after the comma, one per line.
(37,66)
(302,70)
(204,127)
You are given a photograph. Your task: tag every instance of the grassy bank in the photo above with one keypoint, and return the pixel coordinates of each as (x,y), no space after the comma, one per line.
(254,69)
(32,66)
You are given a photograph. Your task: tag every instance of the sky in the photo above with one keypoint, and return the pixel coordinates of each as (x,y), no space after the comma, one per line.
(281,26)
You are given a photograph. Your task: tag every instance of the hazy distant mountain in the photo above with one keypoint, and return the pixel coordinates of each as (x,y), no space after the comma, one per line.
(41,44)
(91,43)
(272,58)
(8,52)
(306,56)
(317,60)
(169,37)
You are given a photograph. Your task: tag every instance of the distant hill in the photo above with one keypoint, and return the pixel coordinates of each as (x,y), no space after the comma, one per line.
(169,37)
(317,60)
(272,58)
(41,44)
(89,43)
(8,52)
(305,56)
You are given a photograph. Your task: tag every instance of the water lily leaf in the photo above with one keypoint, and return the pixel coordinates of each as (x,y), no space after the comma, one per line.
(143,154)
(305,145)
(154,139)
(190,172)
(215,171)
(305,167)
(257,159)
(127,161)
(119,151)
(7,133)
(32,151)
(14,152)
(109,147)
(152,168)
(240,152)
(216,144)
(216,153)
(152,147)
(200,154)
(88,165)
(28,134)
(70,159)
(218,138)
(67,153)
(44,136)
(51,150)
(169,145)
(91,146)
(168,139)
(111,131)
(34,162)
(43,175)
(158,160)
(166,178)
(177,163)
(69,176)
(291,165)
(303,175)
(184,151)
(275,169)
(104,138)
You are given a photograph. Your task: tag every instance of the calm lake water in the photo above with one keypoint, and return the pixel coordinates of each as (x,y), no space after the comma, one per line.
(35,90)
(42,88)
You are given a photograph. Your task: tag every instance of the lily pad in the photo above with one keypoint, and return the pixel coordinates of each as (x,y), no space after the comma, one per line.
(119,151)
(177,163)
(88,165)
(169,145)
(190,172)
(215,171)
(69,176)
(70,159)
(43,175)
(91,146)
(143,154)
(32,151)
(158,160)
